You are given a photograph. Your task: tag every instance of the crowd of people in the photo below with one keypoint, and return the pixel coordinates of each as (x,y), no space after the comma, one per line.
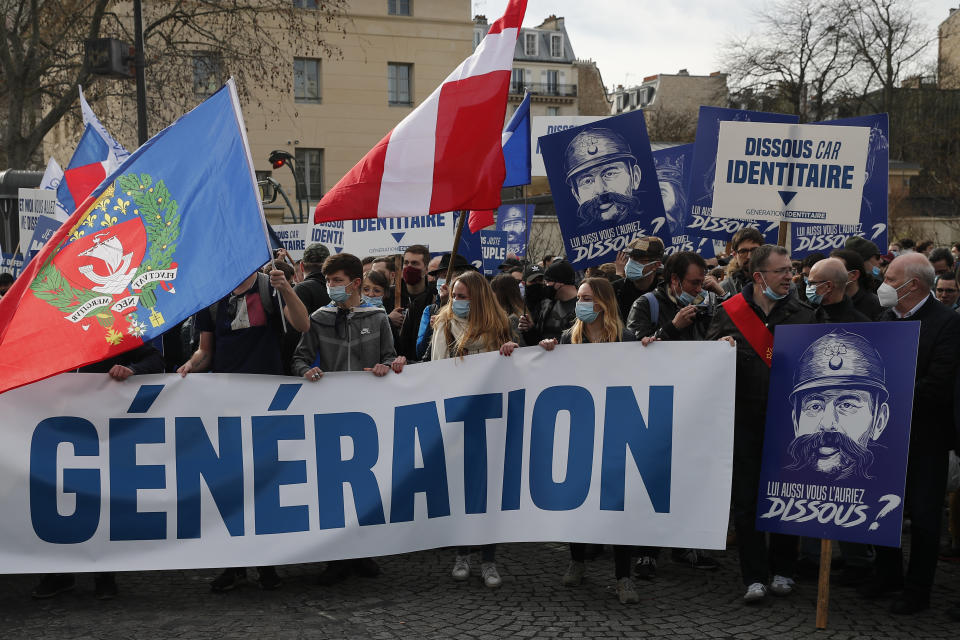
(328,313)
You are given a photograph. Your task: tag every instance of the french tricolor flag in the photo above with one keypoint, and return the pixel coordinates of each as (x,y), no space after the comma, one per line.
(90,164)
(447,155)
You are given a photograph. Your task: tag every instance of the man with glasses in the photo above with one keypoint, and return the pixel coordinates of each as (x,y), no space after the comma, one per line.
(750,318)
(743,244)
(945,288)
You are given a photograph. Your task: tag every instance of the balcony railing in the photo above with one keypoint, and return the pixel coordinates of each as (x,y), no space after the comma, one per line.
(544,89)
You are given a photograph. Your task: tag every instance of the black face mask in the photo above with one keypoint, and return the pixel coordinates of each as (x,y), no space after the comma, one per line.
(549,293)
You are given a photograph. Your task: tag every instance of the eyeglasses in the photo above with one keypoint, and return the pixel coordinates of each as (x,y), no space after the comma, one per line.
(817,283)
(746,251)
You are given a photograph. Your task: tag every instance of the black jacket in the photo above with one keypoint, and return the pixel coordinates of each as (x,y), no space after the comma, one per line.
(937,357)
(641,324)
(313,291)
(867,303)
(627,293)
(843,311)
(753,374)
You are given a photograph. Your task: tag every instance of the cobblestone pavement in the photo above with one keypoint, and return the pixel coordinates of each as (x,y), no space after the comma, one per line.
(416,598)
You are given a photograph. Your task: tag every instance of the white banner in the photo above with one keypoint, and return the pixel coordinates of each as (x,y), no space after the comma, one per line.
(608,443)
(790,172)
(545,125)
(294,238)
(385,236)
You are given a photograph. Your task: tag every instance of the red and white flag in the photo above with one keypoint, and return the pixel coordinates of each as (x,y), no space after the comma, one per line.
(447,154)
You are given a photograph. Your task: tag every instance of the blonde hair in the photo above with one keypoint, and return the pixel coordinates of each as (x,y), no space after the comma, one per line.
(487,322)
(605,298)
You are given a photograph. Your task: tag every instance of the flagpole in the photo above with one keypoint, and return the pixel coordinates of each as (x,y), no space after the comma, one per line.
(456,245)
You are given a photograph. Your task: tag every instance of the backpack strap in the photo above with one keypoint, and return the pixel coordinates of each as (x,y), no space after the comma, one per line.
(263,286)
(654,307)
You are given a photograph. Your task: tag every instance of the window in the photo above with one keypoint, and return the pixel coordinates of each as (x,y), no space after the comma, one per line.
(477,37)
(556,45)
(305,4)
(530,44)
(516,81)
(619,102)
(399,83)
(398,7)
(310,174)
(553,111)
(306,80)
(206,73)
(553,82)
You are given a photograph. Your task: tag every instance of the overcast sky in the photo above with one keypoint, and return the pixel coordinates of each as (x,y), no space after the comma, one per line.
(631,39)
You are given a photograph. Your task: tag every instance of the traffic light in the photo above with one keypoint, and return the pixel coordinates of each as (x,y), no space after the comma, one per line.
(280,158)
(109,57)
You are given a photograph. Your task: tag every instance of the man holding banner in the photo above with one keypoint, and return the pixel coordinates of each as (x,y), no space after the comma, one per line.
(750,317)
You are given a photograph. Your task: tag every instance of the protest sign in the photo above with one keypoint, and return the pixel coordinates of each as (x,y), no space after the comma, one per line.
(790,172)
(605,188)
(163,472)
(516,221)
(673,172)
(10,263)
(294,238)
(42,232)
(31,204)
(838,431)
(808,238)
(385,236)
(544,126)
(700,218)
(330,234)
(493,247)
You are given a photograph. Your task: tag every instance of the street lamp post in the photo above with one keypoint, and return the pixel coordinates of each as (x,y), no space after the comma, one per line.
(279,158)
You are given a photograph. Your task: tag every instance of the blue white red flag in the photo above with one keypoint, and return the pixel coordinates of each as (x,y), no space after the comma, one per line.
(159,239)
(516,146)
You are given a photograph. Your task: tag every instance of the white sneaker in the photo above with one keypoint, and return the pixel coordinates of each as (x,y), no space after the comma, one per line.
(782,585)
(755,593)
(627,591)
(574,574)
(491,578)
(461,568)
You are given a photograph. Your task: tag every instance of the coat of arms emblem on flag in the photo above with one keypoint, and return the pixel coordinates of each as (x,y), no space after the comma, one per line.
(109,266)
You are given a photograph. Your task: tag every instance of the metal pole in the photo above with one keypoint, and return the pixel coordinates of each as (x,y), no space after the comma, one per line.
(297,190)
(140,64)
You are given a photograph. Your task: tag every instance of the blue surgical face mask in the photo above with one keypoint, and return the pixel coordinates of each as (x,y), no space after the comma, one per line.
(586,312)
(373,301)
(684,298)
(635,270)
(812,294)
(876,272)
(441,282)
(338,294)
(770,293)
(461,308)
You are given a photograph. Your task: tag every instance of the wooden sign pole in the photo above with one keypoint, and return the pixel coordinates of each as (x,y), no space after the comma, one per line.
(823,584)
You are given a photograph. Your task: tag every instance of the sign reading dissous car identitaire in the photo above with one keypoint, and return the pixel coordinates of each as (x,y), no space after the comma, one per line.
(838,431)
(212,470)
(790,172)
